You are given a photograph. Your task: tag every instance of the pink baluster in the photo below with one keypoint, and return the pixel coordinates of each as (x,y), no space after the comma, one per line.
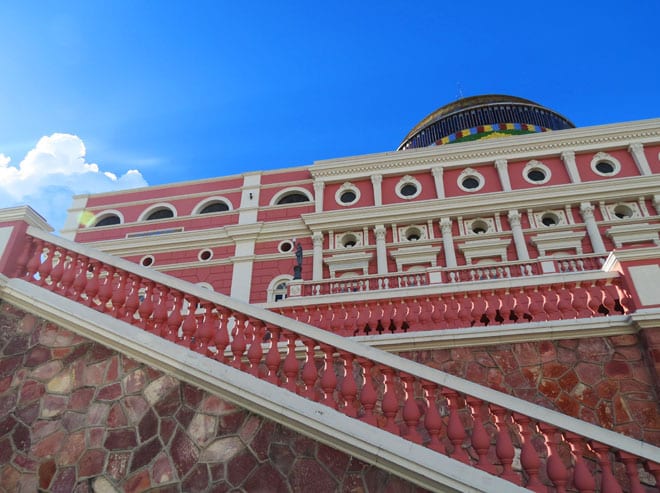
(273,358)
(58,270)
(175,318)
(451,310)
(432,418)
(557,471)
(596,296)
(551,306)
(455,429)
(654,468)
(426,315)
(375,313)
(390,403)
(507,303)
(465,311)
(478,310)
(581,302)
(119,294)
(92,286)
(368,394)
(362,319)
(503,444)
(529,458)
(565,304)
(146,307)
(348,386)
(350,321)
(205,330)
(536,302)
(492,307)
(386,317)
(239,341)
(521,307)
(399,315)
(35,260)
(69,275)
(133,300)
(189,326)
(23,259)
(255,352)
(329,379)
(583,480)
(46,265)
(480,437)
(106,289)
(413,314)
(331,320)
(310,372)
(630,462)
(411,413)
(608,484)
(291,365)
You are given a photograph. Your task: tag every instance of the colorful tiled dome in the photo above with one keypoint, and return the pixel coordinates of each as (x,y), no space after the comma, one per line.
(479,117)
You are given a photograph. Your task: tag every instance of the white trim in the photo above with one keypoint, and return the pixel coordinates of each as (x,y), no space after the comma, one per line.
(605,157)
(408,180)
(284,242)
(272,286)
(212,200)
(102,215)
(536,165)
(153,208)
(470,173)
(291,190)
(145,258)
(347,187)
(199,255)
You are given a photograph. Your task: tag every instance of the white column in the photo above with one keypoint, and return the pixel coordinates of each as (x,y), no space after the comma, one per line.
(381,249)
(250,199)
(243,260)
(587,211)
(377,181)
(448,242)
(637,151)
(319,187)
(518,236)
(656,203)
(317,260)
(503,171)
(439,185)
(571,166)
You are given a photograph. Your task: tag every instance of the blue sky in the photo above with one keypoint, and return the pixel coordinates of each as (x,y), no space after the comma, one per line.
(188,90)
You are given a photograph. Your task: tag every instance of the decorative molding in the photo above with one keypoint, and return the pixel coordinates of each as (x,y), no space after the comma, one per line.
(558,241)
(415,255)
(634,233)
(495,247)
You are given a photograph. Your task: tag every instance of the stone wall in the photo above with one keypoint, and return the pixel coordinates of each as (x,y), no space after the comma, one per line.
(76,416)
(603,380)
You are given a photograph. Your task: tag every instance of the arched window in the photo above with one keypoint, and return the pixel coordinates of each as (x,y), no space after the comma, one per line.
(293,198)
(160,214)
(214,207)
(277,289)
(108,220)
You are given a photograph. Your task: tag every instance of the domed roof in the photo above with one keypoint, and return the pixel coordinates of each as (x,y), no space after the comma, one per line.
(486,116)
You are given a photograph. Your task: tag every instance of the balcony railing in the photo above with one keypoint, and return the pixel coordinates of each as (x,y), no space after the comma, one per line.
(468,422)
(446,275)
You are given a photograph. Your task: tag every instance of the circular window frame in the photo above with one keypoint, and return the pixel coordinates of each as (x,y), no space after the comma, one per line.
(611,160)
(616,211)
(467,174)
(536,165)
(202,252)
(350,237)
(281,245)
(405,181)
(414,230)
(479,224)
(347,187)
(553,215)
(147,261)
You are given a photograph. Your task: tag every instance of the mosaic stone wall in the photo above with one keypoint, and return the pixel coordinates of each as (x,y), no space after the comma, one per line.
(76,416)
(603,380)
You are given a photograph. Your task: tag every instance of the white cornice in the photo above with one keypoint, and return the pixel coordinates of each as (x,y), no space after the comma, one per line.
(27,214)
(485,203)
(474,152)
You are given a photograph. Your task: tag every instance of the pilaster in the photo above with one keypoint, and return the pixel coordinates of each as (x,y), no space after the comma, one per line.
(571,166)
(317,261)
(437,172)
(518,236)
(377,182)
(381,249)
(637,151)
(448,242)
(587,211)
(503,171)
(319,188)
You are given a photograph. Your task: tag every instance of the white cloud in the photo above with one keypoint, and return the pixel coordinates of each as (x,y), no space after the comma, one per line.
(54,171)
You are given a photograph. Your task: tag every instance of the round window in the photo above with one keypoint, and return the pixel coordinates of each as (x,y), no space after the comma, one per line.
(470,183)
(549,219)
(348,197)
(285,246)
(408,190)
(413,234)
(536,174)
(349,241)
(147,261)
(605,167)
(623,211)
(205,255)
(479,227)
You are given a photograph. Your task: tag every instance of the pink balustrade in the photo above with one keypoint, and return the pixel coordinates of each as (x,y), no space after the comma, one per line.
(454,417)
(588,298)
(445,275)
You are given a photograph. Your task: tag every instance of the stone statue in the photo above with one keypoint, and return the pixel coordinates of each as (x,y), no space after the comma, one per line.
(297,269)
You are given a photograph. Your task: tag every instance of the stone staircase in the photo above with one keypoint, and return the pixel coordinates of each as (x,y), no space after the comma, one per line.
(429,427)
